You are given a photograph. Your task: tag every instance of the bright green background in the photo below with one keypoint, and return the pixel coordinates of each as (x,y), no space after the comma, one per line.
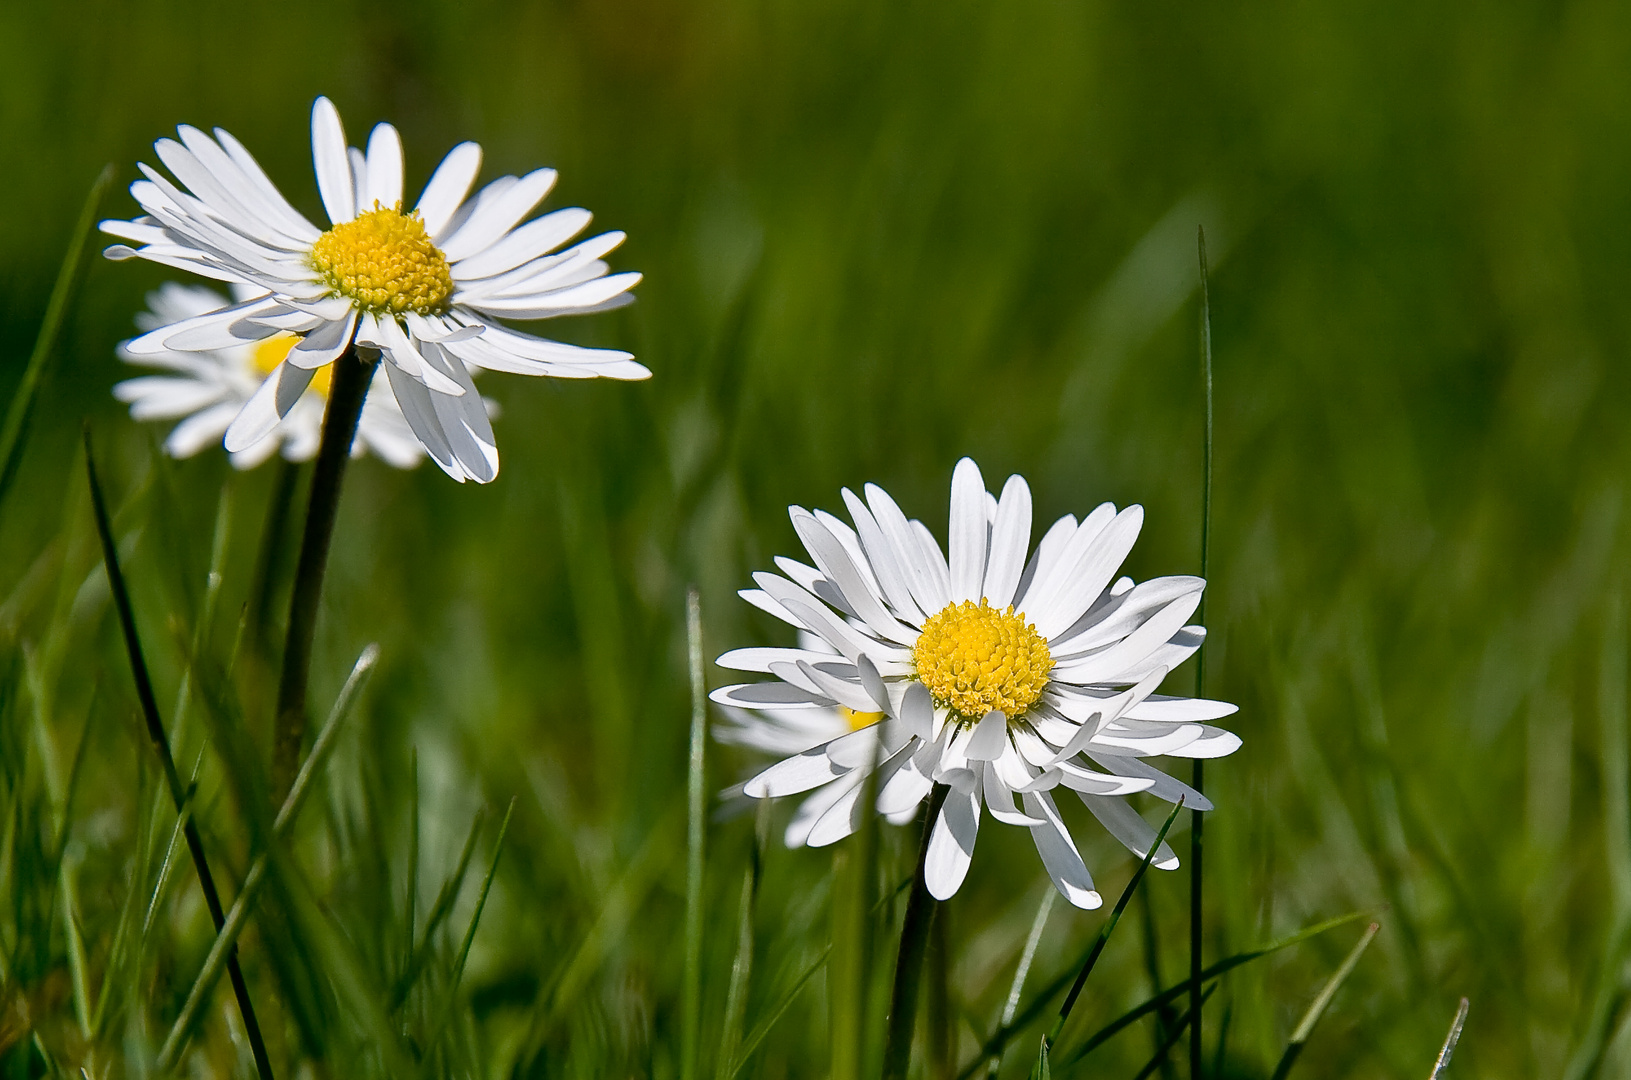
(877,237)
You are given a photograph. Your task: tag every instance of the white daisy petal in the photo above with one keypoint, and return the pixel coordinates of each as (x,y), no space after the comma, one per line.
(1059,855)
(325,344)
(1010,536)
(384,167)
(332,162)
(497,216)
(951,844)
(200,430)
(1125,825)
(448,186)
(966,541)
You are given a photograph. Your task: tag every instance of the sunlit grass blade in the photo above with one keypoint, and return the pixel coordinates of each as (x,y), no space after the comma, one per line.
(1446,1051)
(695,837)
(78,967)
(224,946)
(1168,1041)
(1305,1028)
(1178,990)
(56,313)
(1043,1069)
(161,746)
(1023,971)
(1197,777)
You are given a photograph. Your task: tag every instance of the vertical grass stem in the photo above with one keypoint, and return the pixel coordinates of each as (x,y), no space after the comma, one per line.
(696,809)
(346,394)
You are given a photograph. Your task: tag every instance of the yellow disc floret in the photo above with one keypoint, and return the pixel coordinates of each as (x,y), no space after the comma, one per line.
(383,261)
(274,350)
(974,658)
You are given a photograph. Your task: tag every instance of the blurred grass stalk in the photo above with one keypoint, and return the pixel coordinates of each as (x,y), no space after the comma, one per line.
(1197,779)
(12,434)
(1305,1029)
(696,835)
(346,395)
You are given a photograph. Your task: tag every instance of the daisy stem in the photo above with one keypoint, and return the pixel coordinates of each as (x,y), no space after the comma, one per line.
(1196,997)
(350,386)
(914,940)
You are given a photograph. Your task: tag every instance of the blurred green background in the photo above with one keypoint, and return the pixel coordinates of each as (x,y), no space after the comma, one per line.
(877,237)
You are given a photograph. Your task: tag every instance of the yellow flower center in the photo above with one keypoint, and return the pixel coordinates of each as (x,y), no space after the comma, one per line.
(383,261)
(858,720)
(275,349)
(974,658)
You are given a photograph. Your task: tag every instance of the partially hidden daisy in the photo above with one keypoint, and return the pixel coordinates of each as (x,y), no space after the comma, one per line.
(424,288)
(784,732)
(206,390)
(1002,673)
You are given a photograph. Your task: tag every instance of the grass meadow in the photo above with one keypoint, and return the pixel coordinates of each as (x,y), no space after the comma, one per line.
(875,238)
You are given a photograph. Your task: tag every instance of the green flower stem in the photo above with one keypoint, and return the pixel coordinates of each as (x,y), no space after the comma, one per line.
(350,386)
(1196,818)
(914,941)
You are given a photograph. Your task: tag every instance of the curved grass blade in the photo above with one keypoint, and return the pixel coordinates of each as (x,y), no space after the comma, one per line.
(439,911)
(56,313)
(226,938)
(161,746)
(1305,1029)
(1043,1069)
(742,965)
(1443,1061)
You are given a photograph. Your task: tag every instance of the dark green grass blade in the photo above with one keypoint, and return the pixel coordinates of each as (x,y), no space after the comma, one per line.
(1446,1051)
(1164,1047)
(56,313)
(742,964)
(1305,1029)
(695,836)
(1097,948)
(161,746)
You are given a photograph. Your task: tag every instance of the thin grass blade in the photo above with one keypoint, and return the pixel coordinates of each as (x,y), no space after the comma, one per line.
(1305,1029)
(1197,777)
(1164,1047)
(1023,970)
(470,932)
(1454,1036)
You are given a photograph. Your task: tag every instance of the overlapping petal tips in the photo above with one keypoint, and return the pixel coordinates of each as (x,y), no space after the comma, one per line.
(1001,673)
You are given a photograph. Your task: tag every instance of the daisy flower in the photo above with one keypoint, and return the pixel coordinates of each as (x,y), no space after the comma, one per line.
(207,390)
(1002,673)
(422,288)
(784,732)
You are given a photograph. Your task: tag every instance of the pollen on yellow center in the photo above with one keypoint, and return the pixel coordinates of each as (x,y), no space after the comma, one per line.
(274,350)
(975,658)
(858,720)
(384,262)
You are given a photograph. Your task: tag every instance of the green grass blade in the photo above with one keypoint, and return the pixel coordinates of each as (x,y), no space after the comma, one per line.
(757,1035)
(695,836)
(1446,1051)
(1305,1029)
(439,912)
(470,932)
(56,313)
(742,964)
(77,965)
(1043,1069)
